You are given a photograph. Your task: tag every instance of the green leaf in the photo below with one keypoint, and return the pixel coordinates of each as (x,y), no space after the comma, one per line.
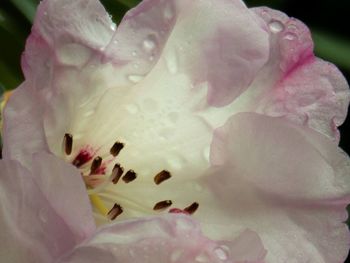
(332,48)
(129,3)
(27,7)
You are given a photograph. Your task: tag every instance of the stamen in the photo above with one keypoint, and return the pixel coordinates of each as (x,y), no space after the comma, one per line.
(129,176)
(162,205)
(115,212)
(192,208)
(116,148)
(117,172)
(96,163)
(82,158)
(68,143)
(162,176)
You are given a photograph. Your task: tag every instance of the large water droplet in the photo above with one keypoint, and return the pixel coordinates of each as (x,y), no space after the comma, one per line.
(221,252)
(135,78)
(276,26)
(149,44)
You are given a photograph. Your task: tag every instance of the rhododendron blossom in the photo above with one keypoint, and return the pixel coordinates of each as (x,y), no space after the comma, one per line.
(202,108)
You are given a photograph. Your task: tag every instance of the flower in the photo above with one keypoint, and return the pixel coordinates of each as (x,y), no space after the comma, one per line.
(134,109)
(41,223)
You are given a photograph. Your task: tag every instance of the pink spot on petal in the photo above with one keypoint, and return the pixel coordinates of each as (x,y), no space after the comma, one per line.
(84,156)
(178,211)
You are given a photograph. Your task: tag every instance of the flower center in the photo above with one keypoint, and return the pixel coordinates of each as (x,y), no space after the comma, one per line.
(94,171)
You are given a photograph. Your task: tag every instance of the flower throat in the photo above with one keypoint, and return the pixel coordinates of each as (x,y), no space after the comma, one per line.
(93,171)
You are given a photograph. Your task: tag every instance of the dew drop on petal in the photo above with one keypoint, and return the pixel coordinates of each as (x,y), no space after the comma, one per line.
(175,162)
(171,62)
(206,153)
(149,44)
(135,78)
(276,26)
(290,37)
(221,253)
(113,27)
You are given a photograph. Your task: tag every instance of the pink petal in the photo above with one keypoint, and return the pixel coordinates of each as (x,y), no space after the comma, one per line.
(31,230)
(63,187)
(219,43)
(66,33)
(288,183)
(295,83)
(164,239)
(23,132)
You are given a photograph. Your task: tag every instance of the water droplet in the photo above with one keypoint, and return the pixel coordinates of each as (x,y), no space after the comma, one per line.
(290,36)
(206,153)
(89,113)
(135,78)
(115,41)
(276,26)
(134,53)
(151,58)
(221,252)
(113,27)
(149,44)
(43,215)
(132,108)
(171,62)
(175,162)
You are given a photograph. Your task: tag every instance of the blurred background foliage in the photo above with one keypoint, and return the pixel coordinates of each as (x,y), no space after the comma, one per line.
(327,20)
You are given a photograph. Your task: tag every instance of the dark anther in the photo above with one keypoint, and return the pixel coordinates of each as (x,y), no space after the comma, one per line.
(115,212)
(116,148)
(162,176)
(117,173)
(162,205)
(129,176)
(68,143)
(192,208)
(96,163)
